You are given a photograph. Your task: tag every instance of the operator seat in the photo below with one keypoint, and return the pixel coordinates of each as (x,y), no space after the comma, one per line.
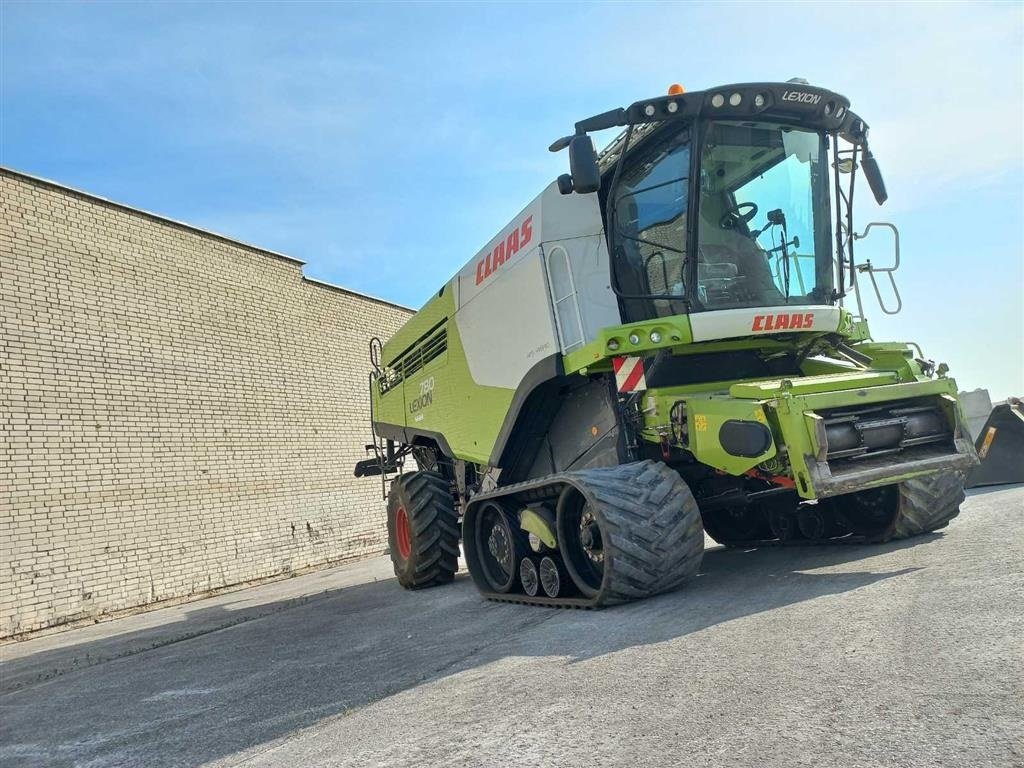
(736,266)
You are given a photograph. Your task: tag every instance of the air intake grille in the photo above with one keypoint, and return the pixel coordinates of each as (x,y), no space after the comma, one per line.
(427,347)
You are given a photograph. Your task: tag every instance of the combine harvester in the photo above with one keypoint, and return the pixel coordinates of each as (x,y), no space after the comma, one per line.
(658,346)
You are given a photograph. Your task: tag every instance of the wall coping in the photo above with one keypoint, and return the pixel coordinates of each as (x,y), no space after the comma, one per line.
(166,220)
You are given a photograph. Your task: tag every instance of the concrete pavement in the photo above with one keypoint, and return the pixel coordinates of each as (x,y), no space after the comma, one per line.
(905,654)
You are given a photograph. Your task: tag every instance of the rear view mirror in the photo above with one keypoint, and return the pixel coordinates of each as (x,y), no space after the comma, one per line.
(874,176)
(586,176)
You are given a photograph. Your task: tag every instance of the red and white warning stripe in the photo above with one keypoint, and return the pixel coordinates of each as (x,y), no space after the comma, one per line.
(629,374)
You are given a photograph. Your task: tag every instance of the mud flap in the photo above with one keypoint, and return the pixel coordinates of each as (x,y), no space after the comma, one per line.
(1000,447)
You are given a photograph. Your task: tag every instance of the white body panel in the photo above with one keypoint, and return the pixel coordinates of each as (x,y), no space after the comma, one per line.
(592,302)
(508,327)
(732,323)
(506,311)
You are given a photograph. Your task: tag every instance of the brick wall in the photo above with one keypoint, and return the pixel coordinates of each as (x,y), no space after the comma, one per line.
(179,412)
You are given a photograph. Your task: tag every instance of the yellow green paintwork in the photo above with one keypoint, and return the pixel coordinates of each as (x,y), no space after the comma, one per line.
(809,385)
(706,413)
(470,416)
(787,406)
(532,522)
(467,414)
(675,333)
(677,337)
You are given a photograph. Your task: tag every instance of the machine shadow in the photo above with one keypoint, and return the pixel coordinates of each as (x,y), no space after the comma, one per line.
(731,585)
(304,660)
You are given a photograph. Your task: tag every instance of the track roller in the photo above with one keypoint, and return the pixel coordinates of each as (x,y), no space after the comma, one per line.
(784,523)
(552,577)
(529,577)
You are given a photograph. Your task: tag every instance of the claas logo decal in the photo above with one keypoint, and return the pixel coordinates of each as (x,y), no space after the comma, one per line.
(517,240)
(782,322)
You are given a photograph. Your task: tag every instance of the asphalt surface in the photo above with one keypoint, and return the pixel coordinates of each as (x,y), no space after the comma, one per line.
(905,654)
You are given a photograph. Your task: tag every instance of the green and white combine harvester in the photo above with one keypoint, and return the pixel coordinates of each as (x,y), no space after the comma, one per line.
(658,347)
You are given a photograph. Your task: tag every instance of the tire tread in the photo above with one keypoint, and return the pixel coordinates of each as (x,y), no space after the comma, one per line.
(434,526)
(656,537)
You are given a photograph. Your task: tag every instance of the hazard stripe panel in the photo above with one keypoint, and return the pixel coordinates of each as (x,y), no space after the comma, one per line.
(629,373)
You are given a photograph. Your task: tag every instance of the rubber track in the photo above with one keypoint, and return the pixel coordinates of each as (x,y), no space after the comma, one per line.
(654,538)
(435,529)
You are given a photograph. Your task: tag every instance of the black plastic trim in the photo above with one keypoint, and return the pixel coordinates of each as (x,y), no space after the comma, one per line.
(408,435)
(548,368)
(748,439)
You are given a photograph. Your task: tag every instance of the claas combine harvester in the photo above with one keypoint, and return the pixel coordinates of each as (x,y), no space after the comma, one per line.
(668,341)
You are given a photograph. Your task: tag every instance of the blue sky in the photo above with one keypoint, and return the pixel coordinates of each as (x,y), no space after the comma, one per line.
(385,143)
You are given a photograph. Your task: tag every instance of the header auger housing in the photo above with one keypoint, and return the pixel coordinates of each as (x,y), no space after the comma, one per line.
(658,346)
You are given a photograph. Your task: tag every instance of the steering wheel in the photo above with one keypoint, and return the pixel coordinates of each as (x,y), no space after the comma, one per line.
(742,213)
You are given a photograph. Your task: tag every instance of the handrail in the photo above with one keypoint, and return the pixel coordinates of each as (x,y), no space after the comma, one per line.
(871,269)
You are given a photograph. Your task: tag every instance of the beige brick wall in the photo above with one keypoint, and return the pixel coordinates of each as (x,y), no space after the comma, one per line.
(179,412)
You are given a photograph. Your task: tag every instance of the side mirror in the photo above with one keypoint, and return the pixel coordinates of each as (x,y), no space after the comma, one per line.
(874,176)
(586,176)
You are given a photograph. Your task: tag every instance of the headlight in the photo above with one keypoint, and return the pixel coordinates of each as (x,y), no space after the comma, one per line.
(655,337)
(717,100)
(634,338)
(613,344)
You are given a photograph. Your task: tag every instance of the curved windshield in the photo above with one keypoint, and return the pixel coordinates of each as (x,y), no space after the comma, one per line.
(763,230)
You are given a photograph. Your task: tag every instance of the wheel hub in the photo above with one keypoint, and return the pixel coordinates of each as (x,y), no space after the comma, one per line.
(498,545)
(590,538)
(403,533)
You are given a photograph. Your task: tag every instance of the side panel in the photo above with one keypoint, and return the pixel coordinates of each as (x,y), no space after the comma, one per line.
(442,402)
(583,301)
(574,223)
(508,326)
(466,413)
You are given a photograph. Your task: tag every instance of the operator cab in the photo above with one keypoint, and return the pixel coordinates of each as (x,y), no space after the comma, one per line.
(720,199)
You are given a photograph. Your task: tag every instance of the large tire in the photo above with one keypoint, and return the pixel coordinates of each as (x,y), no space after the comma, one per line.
(651,529)
(907,509)
(928,503)
(423,530)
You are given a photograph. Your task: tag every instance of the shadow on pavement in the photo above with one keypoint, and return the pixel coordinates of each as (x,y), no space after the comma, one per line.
(221,683)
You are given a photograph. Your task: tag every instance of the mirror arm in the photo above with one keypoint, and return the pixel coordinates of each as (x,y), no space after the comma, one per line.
(615,118)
